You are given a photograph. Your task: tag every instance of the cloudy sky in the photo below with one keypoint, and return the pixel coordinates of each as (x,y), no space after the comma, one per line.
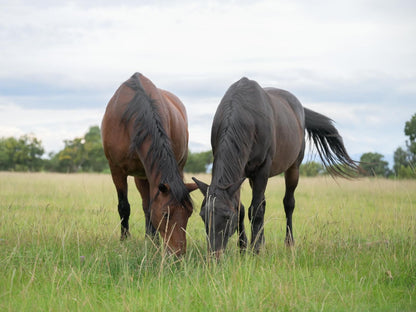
(352,60)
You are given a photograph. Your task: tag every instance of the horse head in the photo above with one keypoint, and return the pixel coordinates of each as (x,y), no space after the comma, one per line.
(169,215)
(220,213)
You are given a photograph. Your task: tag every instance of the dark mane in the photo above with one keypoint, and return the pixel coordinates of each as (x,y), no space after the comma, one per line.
(232,131)
(148,124)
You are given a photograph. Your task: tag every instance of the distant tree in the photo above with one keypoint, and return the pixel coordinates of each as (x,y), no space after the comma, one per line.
(198,162)
(406,172)
(23,154)
(71,157)
(7,150)
(51,163)
(405,160)
(95,159)
(410,131)
(81,154)
(401,159)
(410,128)
(372,164)
(311,169)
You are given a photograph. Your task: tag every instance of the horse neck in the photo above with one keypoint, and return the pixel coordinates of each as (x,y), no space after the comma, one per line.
(172,178)
(161,166)
(152,139)
(228,167)
(232,138)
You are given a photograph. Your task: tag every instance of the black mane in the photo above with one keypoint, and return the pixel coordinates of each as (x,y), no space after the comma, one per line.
(232,131)
(148,124)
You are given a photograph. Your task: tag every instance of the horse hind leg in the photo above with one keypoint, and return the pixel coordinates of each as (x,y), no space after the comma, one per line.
(120,182)
(291,181)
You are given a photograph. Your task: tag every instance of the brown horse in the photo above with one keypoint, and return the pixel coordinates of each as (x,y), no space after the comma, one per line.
(145,135)
(259,133)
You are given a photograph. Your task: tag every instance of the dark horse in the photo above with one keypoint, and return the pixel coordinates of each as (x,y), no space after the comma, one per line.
(258,133)
(145,135)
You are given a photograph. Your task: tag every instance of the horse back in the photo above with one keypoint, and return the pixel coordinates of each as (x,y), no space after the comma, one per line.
(174,118)
(118,132)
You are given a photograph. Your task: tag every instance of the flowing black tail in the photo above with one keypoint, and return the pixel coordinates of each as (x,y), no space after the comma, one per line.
(328,142)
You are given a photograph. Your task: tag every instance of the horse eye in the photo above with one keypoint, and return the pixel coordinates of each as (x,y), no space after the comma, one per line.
(229,216)
(166,215)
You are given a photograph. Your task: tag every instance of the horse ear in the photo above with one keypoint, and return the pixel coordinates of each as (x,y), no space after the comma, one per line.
(191,186)
(234,187)
(164,188)
(203,187)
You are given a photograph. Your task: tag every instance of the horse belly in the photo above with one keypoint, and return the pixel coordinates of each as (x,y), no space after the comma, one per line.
(283,160)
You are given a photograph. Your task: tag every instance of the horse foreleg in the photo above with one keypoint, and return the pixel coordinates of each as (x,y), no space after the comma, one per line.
(143,187)
(256,211)
(242,237)
(291,180)
(120,182)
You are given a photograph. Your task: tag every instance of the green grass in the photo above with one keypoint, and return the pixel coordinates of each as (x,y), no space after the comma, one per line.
(60,251)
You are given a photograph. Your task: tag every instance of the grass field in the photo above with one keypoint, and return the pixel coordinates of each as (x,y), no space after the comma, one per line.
(60,251)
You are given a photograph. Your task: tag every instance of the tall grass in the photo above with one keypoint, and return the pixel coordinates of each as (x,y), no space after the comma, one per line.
(60,251)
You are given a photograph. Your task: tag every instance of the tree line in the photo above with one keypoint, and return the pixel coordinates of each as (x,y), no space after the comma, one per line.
(374,164)
(85,154)
(26,153)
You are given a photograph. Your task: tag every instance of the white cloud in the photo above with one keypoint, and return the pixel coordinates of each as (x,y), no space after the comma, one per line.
(80,43)
(51,126)
(351,60)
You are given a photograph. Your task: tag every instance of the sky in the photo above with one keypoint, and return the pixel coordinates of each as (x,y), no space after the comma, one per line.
(352,60)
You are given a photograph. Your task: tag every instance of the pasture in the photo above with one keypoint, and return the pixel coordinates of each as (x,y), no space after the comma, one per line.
(355,250)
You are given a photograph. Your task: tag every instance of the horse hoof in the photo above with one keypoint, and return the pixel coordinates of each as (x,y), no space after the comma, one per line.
(289,243)
(242,244)
(124,236)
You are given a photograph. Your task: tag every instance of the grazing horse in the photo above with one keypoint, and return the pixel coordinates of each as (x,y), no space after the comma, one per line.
(258,133)
(145,135)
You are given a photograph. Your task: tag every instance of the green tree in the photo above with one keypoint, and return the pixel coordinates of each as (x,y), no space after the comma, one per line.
(7,150)
(372,164)
(406,172)
(410,131)
(405,160)
(71,157)
(198,162)
(81,154)
(311,169)
(401,159)
(410,128)
(23,154)
(95,159)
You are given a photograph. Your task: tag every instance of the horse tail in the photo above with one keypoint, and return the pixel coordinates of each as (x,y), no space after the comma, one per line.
(329,144)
